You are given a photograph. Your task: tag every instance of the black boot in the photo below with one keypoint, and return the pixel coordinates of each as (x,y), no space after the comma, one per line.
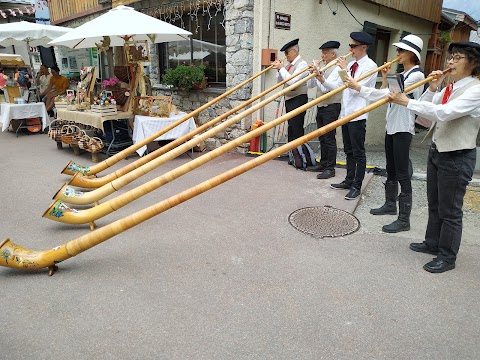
(403,221)
(390,206)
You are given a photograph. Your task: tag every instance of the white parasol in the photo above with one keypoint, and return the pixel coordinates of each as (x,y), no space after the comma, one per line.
(30,34)
(118,24)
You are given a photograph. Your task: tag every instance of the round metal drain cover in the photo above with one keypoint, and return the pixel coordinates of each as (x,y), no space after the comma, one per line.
(324,221)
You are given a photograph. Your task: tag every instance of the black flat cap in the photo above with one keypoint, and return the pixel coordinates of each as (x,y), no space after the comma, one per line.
(362,37)
(463,44)
(330,45)
(289,45)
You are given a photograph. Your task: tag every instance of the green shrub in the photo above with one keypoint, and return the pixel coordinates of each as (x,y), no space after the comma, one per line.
(186,77)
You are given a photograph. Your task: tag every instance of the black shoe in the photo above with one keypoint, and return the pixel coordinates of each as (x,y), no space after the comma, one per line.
(327,174)
(352,194)
(423,248)
(396,226)
(438,266)
(342,186)
(316,168)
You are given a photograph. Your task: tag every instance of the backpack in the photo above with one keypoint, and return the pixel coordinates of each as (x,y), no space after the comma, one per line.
(424,123)
(301,157)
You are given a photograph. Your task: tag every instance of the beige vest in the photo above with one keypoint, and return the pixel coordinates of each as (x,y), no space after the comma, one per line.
(335,99)
(458,134)
(299,90)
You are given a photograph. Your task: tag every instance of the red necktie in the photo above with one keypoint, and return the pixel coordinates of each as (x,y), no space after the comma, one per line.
(447,93)
(289,67)
(353,68)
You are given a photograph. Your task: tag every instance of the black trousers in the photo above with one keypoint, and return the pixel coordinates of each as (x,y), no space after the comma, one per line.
(448,174)
(397,154)
(328,143)
(295,124)
(354,146)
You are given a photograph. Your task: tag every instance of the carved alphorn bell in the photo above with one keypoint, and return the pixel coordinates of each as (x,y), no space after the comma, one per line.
(15,256)
(61,212)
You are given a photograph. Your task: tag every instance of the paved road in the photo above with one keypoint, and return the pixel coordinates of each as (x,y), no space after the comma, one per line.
(225,276)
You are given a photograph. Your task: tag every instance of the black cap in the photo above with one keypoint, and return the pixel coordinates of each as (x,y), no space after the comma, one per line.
(362,37)
(289,45)
(463,44)
(330,45)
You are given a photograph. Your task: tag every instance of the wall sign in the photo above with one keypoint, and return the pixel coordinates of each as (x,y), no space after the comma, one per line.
(283,21)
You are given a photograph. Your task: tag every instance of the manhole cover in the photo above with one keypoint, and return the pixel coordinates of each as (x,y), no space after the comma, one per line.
(324,221)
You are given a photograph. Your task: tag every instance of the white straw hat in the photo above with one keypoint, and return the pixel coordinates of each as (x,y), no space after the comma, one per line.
(411,43)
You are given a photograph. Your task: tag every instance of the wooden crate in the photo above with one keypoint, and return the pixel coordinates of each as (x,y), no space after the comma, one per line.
(158,106)
(61,105)
(104,109)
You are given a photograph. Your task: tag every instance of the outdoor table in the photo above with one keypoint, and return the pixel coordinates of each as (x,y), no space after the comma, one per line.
(93,119)
(8,112)
(145,126)
(89,118)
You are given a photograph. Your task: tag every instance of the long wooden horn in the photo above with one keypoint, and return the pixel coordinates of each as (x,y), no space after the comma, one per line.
(72,168)
(69,194)
(61,212)
(18,257)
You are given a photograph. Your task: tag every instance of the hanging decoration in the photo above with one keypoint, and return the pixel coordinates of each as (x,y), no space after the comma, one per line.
(174,12)
(17,12)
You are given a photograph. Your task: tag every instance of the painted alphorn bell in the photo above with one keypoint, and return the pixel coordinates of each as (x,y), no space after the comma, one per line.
(72,196)
(15,256)
(88,182)
(72,168)
(61,212)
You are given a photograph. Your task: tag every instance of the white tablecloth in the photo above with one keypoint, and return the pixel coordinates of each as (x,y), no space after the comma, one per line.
(23,111)
(145,126)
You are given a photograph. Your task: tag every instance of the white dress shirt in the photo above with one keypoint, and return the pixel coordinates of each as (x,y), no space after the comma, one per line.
(399,118)
(430,105)
(351,99)
(315,83)
(283,74)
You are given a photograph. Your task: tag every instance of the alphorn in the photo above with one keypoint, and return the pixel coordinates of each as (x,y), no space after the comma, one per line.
(71,195)
(15,256)
(61,212)
(72,168)
(81,180)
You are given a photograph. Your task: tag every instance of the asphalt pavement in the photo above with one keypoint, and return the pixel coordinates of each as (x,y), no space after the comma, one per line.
(225,276)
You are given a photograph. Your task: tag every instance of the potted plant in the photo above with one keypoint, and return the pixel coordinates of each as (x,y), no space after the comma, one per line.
(114,85)
(186,77)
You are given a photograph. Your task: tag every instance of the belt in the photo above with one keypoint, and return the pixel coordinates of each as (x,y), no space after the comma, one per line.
(327,105)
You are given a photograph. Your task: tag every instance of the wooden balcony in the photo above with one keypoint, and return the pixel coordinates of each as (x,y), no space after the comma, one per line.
(62,11)
(430,10)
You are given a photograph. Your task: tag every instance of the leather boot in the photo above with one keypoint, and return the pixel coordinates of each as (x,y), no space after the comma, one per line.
(404,210)
(390,206)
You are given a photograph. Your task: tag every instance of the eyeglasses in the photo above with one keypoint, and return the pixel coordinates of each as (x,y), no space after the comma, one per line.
(353,46)
(400,50)
(456,58)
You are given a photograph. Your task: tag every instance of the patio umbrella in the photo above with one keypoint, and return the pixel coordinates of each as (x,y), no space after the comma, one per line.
(117,24)
(30,34)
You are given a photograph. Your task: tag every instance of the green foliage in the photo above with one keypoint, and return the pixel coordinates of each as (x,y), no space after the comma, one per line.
(186,77)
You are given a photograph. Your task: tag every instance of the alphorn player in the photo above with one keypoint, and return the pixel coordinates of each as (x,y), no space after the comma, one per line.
(298,96)
(327,112)
(455,113)
(399,130)
(353,132)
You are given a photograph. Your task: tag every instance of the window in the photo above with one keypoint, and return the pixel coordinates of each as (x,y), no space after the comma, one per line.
(378,51)
(206,47)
